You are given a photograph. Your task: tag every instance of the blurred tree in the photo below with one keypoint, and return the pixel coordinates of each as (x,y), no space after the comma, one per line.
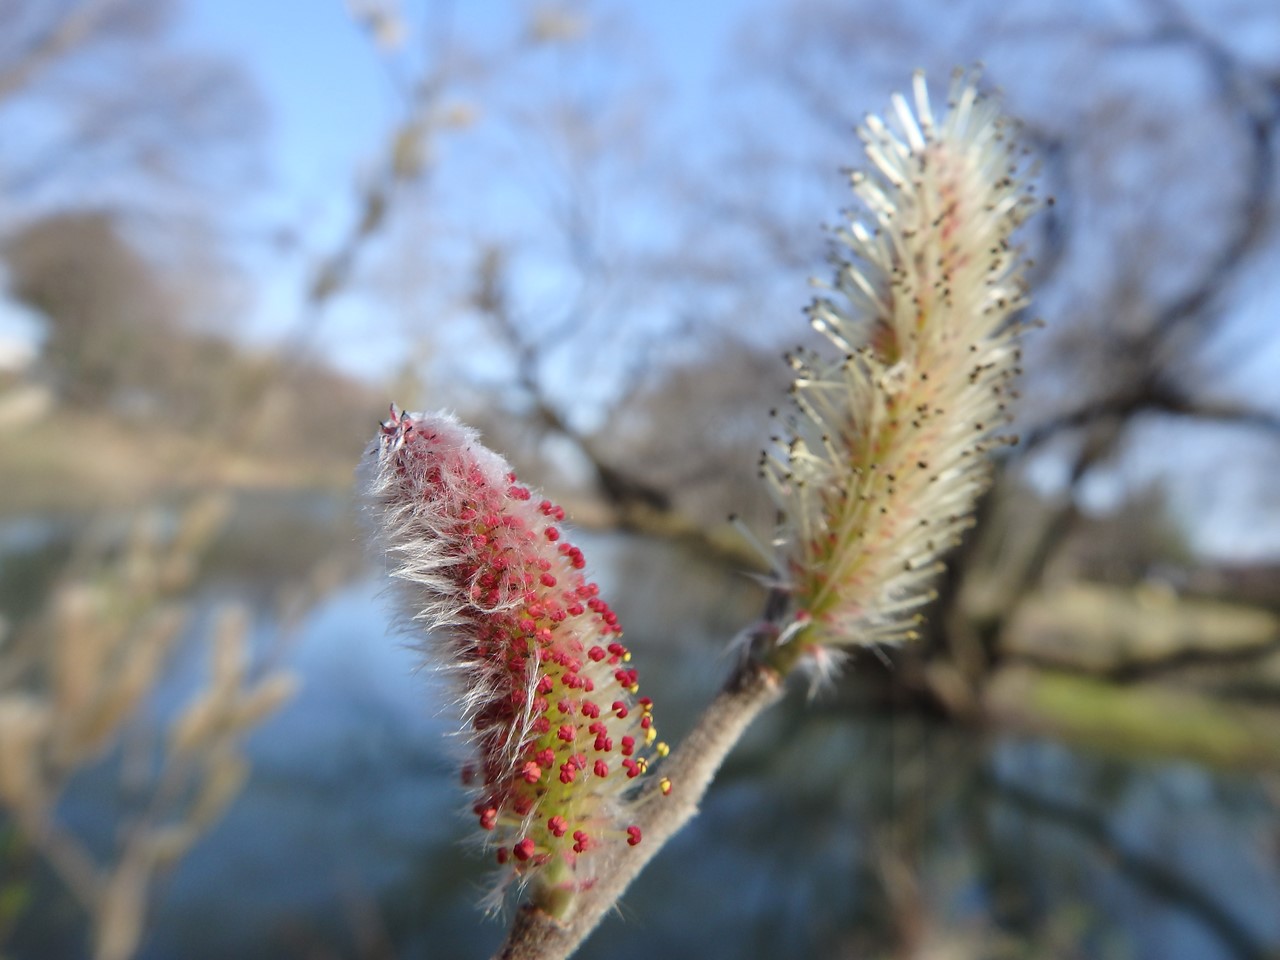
(123,151)
(110,320)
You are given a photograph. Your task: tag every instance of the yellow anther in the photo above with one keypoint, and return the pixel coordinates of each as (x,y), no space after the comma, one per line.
(650,735)
(665,786)
(662,749)
(634,688)
(626,657)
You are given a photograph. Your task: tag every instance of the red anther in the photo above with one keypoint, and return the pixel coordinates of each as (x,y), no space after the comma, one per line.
(596,654)
(567,772)
(489,818)
(579,760)
(620,709)
(617,649)
(590,709)
(603,743)
(581,841)
(531,772)
(645,702)
(541,724)
(545,684)
(565,707)
(545,506)
(522,804)
(588,684)
(502,855)
(646,721)
(548,580)
(524,849)
(545,757)
(575,609)
(566,732)
(557,825)
(633,768)
(633,835)
(628,746)
(552,534)
(601,769)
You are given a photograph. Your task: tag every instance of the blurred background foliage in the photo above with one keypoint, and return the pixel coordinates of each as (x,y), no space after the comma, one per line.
(231,236)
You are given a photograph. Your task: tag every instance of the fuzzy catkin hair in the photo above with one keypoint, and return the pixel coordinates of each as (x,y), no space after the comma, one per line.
(546,688)
(886,453)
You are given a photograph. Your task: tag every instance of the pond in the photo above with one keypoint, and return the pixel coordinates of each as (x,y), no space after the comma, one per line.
(827,834)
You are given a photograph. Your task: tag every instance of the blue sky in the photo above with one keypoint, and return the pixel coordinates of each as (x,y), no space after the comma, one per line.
(331,104)
(330,99)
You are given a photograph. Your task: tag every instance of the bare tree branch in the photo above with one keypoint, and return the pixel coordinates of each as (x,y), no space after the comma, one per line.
(1144,871)
(1153,397)
(71,30)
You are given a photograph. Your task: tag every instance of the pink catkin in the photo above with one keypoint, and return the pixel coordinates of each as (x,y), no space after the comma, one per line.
(543,680)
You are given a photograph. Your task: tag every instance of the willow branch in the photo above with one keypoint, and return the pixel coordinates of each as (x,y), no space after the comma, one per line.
(68,858)
(752,688)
